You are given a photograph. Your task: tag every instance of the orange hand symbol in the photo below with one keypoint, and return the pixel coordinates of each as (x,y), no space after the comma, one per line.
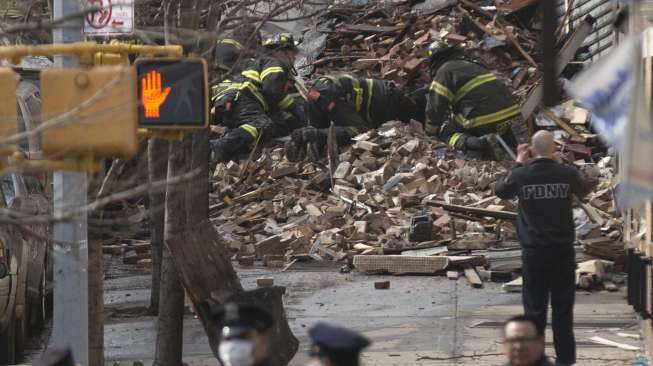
(151,94)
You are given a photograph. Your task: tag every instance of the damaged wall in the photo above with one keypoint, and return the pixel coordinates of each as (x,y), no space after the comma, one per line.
(602,37)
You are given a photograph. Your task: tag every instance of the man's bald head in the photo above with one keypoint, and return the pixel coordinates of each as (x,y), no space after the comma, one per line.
(543,144)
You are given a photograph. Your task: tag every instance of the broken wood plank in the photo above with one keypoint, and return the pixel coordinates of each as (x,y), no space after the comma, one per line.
(466,261)
(473,278)
(399,264)
(592,213)
(343,170)
(565,55)
(607,342)
(519,48)
(507,215)
(471,244)
(282,171)
(513,286)
(562,124)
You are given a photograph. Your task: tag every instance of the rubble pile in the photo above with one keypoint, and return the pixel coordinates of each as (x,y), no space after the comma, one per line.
(401,202)
(389,41)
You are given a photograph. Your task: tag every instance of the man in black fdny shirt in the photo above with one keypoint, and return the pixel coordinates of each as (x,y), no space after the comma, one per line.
(545,228)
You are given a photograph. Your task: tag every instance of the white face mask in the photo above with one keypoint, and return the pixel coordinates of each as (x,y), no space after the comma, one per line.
(236,352)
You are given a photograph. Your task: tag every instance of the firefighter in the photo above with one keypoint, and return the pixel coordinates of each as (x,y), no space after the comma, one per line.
(354,105)
(257,104)
(232,53)
(467,105)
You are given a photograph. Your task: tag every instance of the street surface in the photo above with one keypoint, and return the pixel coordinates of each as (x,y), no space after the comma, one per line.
(420,320)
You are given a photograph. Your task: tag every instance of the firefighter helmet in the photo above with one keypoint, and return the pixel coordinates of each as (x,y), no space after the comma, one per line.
(437,49)
(282,41)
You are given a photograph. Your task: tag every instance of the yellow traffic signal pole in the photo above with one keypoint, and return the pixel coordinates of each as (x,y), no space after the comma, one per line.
(89,54)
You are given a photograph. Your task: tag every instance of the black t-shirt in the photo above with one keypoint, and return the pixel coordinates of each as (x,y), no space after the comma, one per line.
(544,189)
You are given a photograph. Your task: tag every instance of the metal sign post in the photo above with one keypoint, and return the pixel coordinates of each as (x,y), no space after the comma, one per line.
(70,324)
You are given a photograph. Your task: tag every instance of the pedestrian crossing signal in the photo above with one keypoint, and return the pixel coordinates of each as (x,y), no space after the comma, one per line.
(172,93)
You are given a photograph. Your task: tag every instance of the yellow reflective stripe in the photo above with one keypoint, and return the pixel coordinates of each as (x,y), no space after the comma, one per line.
(221,89)
(370,89)
(473,84)
(489,118)
(250,130)
(454,139)
(232,42)
(271,70)
(252,74)
(442,90)
(241,86)
(257,94)
(286,102)
(359,93)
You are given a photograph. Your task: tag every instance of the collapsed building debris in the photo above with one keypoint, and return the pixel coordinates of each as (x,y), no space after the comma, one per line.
(397,201)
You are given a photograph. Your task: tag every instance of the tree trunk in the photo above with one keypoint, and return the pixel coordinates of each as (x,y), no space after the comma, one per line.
(158,168)
(171,303)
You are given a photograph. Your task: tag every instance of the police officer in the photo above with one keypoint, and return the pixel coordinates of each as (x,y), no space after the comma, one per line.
(257,102)
(244,334)
(335,346)
(354,104)
(545,228)
(467,104)
(231,54)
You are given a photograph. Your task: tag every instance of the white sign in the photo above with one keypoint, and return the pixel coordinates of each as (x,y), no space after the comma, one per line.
(115,18)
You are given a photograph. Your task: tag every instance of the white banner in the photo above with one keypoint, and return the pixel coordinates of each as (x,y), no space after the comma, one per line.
(636,184)
(606,88)
(115,18)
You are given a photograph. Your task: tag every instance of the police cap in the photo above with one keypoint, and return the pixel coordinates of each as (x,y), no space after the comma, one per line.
(337,338)
(238,319)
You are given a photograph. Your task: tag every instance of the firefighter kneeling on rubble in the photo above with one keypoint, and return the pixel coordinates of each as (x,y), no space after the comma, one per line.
(257,104)
(354,105)
(467,105)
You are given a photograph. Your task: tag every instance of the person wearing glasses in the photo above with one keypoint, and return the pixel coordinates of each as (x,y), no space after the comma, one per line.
(523,342)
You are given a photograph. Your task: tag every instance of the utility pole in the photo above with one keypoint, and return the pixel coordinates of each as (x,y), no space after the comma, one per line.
(70,324)
(157,156)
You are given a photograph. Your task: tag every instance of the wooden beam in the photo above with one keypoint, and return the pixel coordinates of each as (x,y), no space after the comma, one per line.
(565,55)
(562,124)
(473,278)
(506,215)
